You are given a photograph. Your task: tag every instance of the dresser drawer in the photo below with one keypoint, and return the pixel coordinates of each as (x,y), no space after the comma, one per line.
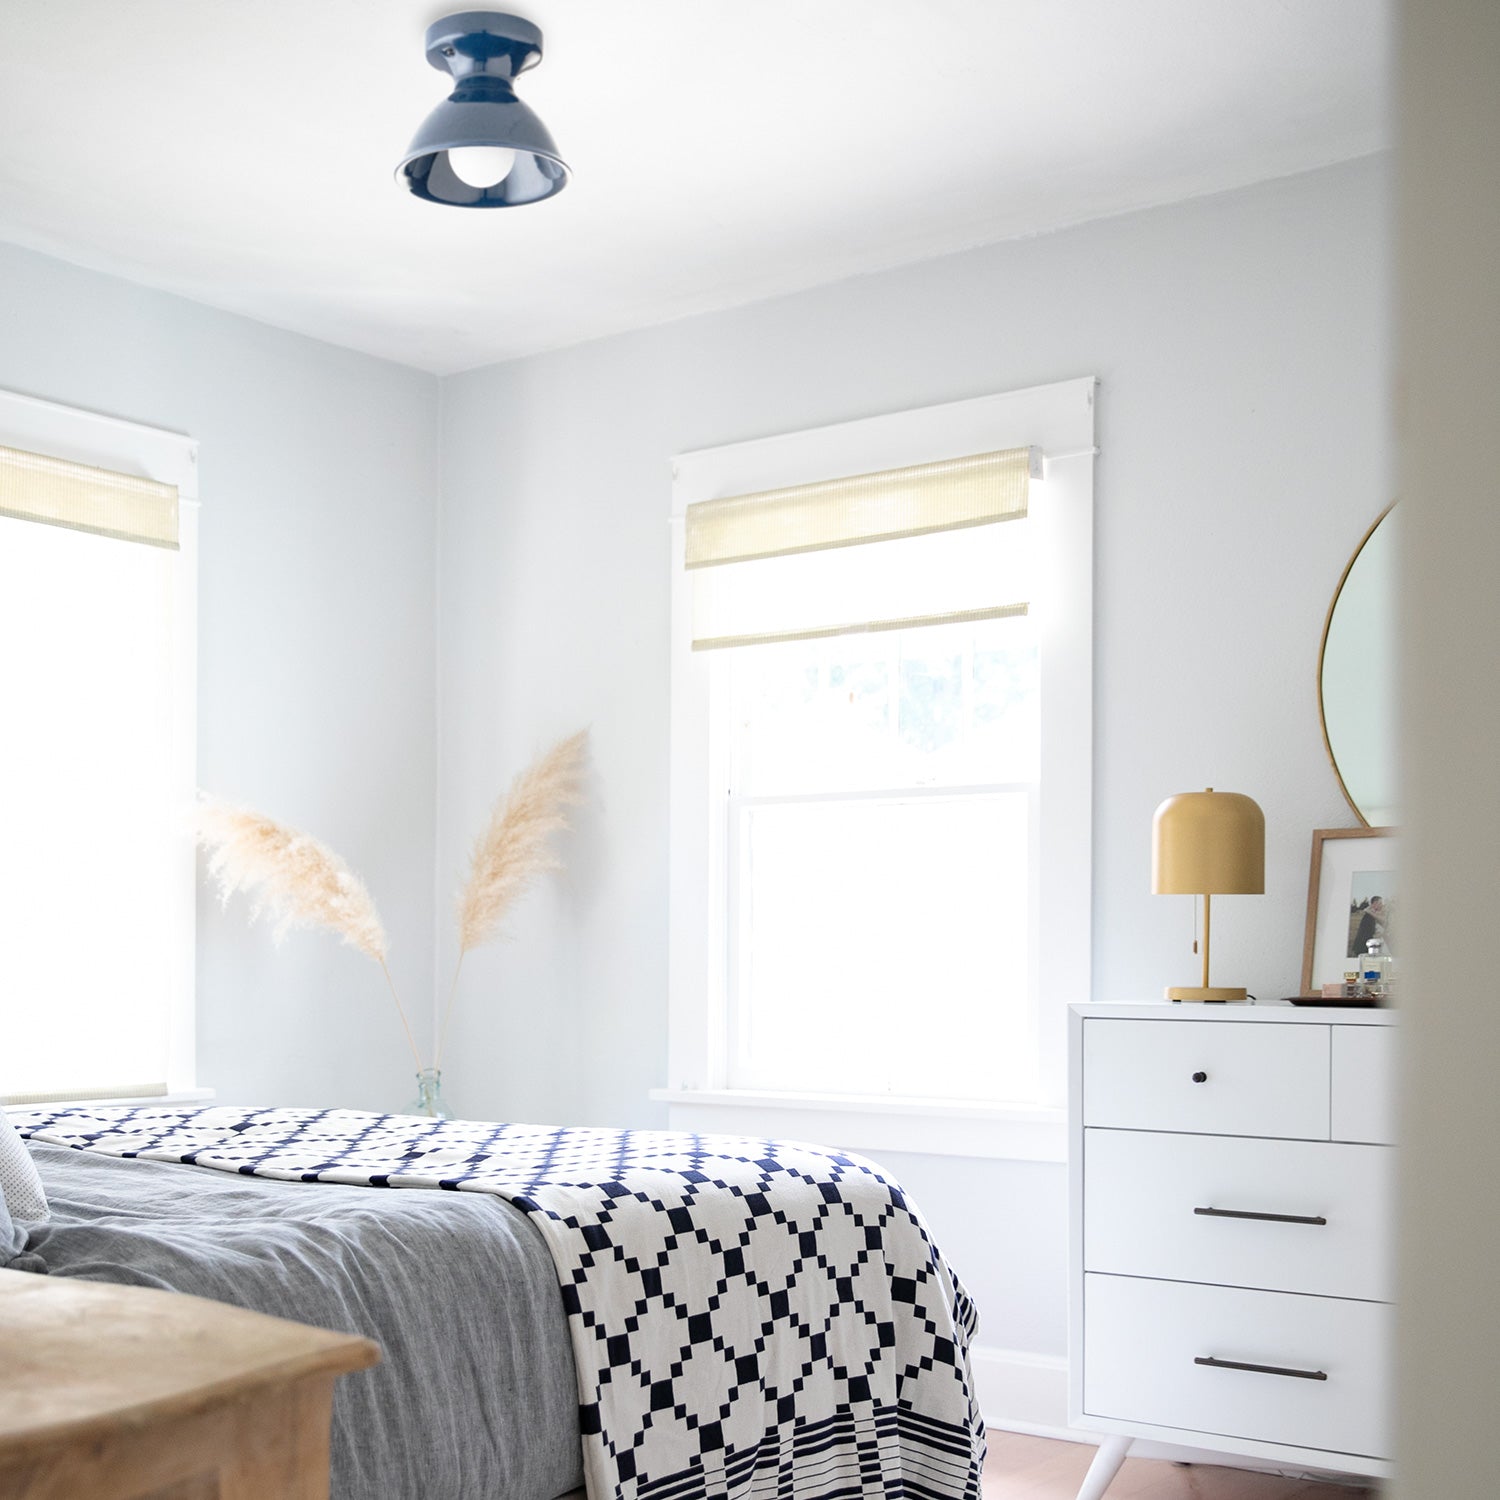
(1142,1338)
(1221,1077)
(1142,1192)
(1364,1083)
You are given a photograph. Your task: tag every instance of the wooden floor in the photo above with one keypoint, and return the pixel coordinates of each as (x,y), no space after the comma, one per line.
(1030,1468)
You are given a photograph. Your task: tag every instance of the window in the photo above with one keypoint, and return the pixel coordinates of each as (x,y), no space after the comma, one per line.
(880,806)
(881,762)
(97,605)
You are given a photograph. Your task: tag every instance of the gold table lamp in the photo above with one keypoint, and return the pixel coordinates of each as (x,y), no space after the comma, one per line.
(1208,844)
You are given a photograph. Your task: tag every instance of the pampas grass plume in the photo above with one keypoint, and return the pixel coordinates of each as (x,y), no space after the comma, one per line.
(298,882)
(290,877)
(515,850)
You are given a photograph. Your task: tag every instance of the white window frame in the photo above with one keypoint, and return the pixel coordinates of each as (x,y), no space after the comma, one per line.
(1058,418)
(108,442)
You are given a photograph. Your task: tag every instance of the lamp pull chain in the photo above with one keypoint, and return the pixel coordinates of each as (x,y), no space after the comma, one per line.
(1195,924)
(1207,917)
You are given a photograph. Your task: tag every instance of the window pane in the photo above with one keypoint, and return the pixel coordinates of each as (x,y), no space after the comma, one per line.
(1005,717)
(932,692)
(86,806)
(950,705)
(883,946)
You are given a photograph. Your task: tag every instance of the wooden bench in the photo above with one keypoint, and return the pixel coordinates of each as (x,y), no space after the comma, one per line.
(123,1393)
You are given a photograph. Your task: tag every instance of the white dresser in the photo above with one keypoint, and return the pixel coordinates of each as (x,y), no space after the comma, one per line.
(1231,1232)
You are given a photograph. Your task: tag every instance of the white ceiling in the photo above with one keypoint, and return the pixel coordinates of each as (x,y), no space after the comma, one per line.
(241,152)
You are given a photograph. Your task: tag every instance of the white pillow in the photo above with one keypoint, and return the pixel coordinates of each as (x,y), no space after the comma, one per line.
(19,1183)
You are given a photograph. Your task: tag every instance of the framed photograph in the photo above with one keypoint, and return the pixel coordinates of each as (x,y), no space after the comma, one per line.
(1353,894)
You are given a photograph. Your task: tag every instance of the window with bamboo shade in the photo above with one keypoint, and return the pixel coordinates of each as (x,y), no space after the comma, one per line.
(96,766)
(863,756)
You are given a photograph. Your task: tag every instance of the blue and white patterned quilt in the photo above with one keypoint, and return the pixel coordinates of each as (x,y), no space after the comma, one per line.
(751,1320)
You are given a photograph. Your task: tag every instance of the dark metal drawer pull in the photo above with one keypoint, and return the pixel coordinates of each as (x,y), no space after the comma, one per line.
(1234,1364)
(1241,1213)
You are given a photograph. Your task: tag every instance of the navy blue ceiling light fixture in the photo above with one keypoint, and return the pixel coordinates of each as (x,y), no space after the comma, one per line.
(481,147)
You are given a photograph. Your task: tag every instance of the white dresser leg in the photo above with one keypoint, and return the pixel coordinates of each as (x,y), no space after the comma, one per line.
(1105,1466)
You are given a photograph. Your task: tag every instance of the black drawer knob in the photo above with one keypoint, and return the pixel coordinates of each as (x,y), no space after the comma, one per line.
(1200,1077)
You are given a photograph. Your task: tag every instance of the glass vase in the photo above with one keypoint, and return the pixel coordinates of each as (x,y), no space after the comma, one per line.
(429,1100)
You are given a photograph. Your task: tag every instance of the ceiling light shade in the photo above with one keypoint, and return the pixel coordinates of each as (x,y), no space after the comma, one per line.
(482,147)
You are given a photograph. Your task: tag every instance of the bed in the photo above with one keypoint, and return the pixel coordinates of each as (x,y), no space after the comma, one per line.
(475,1395)
(657,1315)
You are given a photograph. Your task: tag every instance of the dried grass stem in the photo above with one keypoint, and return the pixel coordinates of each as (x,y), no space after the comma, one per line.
(515,849)
(295,881)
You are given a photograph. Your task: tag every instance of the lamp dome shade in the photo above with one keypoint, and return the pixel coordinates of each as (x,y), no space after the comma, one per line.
(1208,844)
(484,51)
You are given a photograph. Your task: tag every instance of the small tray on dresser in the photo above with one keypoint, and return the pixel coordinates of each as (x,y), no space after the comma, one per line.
(1337,1002)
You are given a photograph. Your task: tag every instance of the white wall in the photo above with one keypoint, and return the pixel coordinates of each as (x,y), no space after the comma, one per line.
(316,641)
(1241,342)
(1241,345)
(1447,1371)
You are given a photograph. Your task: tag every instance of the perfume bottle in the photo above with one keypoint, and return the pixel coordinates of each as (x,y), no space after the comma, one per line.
(1375,971)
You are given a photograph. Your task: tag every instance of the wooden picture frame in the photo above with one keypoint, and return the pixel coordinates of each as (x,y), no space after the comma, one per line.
(1336,890)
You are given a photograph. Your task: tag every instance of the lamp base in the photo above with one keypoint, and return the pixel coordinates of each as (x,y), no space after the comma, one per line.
(1214,996)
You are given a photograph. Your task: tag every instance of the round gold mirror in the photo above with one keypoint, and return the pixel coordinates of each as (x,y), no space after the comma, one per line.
(1357,676)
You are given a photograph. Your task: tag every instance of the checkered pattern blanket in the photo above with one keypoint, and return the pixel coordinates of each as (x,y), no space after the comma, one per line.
(751,1320)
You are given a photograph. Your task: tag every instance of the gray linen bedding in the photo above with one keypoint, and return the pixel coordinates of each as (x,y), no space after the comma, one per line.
(475,1398)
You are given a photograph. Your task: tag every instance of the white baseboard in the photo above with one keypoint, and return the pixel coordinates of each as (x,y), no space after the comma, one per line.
(1024,1392)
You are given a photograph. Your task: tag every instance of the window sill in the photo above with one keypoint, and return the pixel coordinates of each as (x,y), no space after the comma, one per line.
(872,1125)
(177,1096)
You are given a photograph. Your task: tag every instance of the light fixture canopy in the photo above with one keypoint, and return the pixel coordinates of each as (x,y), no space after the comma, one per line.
(1208,844)
(482,147)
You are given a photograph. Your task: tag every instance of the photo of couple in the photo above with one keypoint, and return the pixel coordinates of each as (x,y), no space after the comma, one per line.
(1370,910)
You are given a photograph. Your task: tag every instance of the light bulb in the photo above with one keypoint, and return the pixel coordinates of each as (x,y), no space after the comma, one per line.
(481,166)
